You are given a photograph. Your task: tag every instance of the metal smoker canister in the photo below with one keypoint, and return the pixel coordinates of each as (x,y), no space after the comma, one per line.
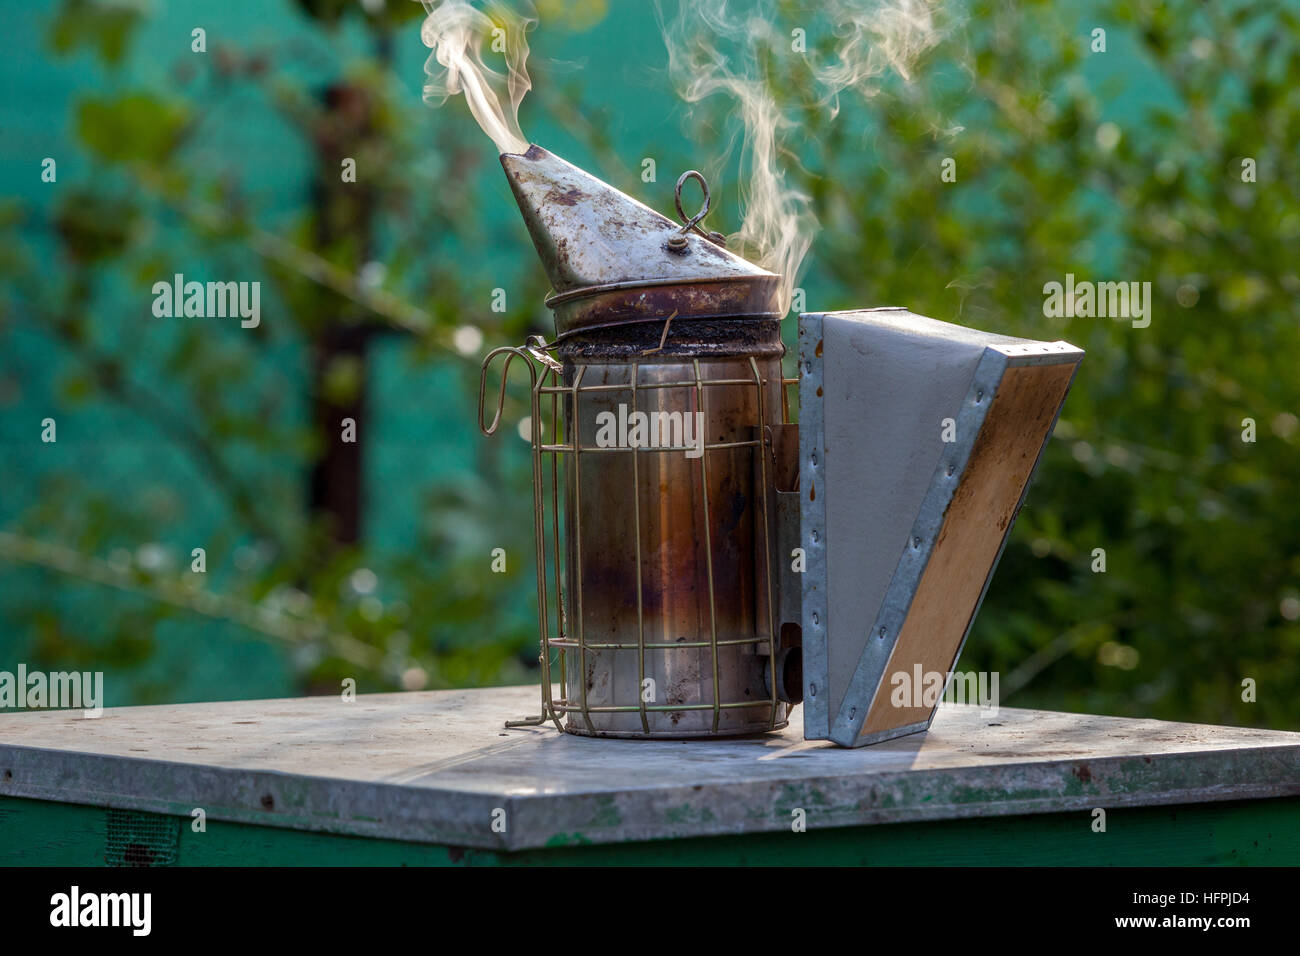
(659,569)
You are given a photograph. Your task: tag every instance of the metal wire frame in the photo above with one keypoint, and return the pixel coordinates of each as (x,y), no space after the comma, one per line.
(529,354)
(550,384)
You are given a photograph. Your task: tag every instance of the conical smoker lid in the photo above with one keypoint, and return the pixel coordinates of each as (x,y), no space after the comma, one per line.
(610,259)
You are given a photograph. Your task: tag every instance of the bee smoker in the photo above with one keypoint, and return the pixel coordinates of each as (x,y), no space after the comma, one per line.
(703,564)
(655,414)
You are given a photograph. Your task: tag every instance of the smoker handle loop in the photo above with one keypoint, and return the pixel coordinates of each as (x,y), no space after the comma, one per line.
(513,352)
(692,223)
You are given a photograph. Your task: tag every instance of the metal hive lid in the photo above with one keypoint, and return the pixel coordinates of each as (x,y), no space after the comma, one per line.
(609,256)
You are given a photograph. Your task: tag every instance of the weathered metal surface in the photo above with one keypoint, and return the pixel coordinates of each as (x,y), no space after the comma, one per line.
(814,601)
(786,535)
(662,616)
(680,338)
(611,258)
(433,767)
(665,578)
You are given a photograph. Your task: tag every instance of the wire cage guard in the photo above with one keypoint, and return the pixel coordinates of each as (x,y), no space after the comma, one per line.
(655,526)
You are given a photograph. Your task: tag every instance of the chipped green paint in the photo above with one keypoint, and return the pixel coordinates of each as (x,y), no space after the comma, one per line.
(1078,782)
(993,794)
(687,813)
(606,813)
(794,795)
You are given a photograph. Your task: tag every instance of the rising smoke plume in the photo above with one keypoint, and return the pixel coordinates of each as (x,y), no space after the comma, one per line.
(458,33)
(732,49)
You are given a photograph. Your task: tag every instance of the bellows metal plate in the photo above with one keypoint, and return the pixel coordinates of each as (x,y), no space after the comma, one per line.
(918,439)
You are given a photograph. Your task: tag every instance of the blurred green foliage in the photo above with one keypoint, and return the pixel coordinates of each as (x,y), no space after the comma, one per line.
(1123,165)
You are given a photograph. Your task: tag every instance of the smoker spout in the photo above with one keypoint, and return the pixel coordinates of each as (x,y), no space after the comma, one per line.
(611,258)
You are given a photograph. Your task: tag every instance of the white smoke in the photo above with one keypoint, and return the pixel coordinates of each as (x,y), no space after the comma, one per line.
(457,32)
(733,49)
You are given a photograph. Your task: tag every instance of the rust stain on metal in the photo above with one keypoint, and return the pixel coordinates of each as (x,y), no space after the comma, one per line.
(569,197)
(659,567)
(607,258)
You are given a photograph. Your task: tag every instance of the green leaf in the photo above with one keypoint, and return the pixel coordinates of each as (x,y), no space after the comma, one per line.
(106,27)
(135,127)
